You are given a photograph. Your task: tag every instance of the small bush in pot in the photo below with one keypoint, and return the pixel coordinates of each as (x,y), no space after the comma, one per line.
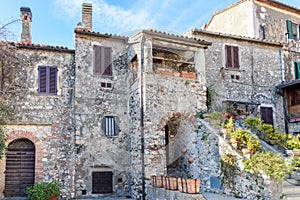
(43,191)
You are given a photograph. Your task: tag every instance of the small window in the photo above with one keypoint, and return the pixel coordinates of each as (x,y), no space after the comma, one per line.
(295,97)
(106,85)
(102,61)
(109,126)
(47,80)
(232,57)
(297,70)
(292,30)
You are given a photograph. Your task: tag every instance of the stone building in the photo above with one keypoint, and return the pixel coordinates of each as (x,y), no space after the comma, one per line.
(101,119)
(40,135)
(273,21)
(237,74)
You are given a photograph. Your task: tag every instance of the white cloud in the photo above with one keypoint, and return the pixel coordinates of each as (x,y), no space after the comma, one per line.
(106,17)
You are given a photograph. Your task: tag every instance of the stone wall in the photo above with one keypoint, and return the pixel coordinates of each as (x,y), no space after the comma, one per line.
(44,119)
(258,62)
(244,185)
(95,151)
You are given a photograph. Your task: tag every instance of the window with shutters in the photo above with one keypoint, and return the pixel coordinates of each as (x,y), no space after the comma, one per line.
(47,80)
(232,57)
(102,62)
(297,70)
(109,126)
(292,30)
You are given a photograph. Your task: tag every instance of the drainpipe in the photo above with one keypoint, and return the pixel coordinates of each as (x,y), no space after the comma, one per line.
(73,189)
(142,118)
(282,92)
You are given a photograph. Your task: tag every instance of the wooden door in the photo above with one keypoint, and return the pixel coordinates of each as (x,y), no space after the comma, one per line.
(102,182)
(266,114)
(20,163)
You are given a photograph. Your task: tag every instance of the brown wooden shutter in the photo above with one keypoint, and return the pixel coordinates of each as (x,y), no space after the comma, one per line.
(97,59)
(102,60)
(228,56)
(266,115)
(236,57)
(107,71)
(52,80)
(42,79)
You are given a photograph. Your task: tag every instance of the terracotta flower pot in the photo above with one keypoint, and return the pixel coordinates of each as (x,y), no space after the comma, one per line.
(173,183)
(166,182)
(180,184)
(192,186)
(53,197)
(191,160)
(184,150)
(159,181)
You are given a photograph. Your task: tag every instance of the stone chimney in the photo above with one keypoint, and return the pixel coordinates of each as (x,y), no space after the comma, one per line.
(26,17)
(87,14)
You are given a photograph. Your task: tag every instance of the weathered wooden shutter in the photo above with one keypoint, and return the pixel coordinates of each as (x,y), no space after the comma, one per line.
(42,79)
(289,26)
(97,59)
(236,57)
(107,71)
(266,114)
(52,80)
(102,60)
(297,70)
(228,56)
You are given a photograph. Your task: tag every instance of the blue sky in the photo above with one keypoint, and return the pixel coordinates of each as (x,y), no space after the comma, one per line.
(54,20)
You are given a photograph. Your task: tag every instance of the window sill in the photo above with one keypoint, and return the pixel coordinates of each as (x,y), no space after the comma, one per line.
(232,69)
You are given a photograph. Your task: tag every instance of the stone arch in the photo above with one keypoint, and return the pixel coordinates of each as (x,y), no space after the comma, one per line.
(187,115)
(20,166)
(39,146)
(178,129)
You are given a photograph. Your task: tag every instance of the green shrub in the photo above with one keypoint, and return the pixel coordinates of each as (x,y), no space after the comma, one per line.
(240,134)
(253,122)
(43,191)
(292,142)
(269,163)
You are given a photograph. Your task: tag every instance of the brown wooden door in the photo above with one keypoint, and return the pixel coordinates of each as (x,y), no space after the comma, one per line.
(19,172)
(266,114)
(102,182)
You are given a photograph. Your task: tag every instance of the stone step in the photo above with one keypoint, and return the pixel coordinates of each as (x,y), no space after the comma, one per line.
(292,197)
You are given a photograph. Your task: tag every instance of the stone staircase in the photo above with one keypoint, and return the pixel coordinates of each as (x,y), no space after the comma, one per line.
(291,186)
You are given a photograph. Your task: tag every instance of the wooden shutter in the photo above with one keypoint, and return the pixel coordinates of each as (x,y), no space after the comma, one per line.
(52,80)
(297,70)
(236,57)
(107,71)
(42,79)
(266,114)
(289,26)
(97,59)
(228,56)
(102,60)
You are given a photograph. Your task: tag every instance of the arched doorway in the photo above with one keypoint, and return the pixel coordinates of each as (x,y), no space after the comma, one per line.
(20,164)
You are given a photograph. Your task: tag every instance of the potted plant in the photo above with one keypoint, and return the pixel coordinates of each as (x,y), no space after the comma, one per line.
(191,186)
(253,122)
(188,71)
(231,113)
(238,137)
(253,144)
(227,127)
(293,144)
(43,191)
